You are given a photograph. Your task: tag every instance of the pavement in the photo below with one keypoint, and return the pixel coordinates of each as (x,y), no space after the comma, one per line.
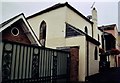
(110,76)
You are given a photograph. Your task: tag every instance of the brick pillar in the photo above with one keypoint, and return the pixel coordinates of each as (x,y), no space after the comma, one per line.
(74,53)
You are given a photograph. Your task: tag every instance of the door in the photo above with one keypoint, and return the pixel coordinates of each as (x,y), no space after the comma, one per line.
(74,54)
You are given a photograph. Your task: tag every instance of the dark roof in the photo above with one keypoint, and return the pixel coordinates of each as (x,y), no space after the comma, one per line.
(92,40)
(88,38)
(107,27)
(59,5)
(106,34)
(8,21)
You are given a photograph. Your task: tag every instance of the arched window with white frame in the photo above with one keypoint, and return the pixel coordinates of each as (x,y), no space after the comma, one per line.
(42,36)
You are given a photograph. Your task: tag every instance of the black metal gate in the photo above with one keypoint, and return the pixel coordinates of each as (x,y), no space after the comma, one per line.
(24,63)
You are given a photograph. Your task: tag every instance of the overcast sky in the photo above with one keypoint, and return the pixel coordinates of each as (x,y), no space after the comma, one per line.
(107,10)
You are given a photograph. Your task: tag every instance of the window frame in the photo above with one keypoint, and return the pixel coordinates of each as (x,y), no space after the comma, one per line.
(42,33)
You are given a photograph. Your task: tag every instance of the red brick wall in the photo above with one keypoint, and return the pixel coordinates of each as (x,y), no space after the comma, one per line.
(74,53)
(21,37)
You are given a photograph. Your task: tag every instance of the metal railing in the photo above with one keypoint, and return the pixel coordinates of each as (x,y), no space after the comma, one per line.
(27,63)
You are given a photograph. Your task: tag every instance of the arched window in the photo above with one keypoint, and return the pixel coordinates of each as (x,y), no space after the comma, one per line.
(42,36)
(86,30)
(96,53)
(98,37)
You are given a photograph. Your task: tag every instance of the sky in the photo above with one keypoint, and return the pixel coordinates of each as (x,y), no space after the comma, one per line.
(107,10)
(119,15)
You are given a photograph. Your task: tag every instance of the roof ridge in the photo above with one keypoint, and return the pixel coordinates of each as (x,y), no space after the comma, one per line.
(107,25)
(59,5)
(29,27)
(9,20)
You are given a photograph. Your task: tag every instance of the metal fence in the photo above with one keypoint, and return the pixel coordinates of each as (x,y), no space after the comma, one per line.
(26,63)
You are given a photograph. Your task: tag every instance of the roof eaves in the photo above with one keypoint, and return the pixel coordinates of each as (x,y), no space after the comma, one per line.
(92,40)
(107,27)
(8,21)
(88,38)
(12,20)
(32,30)
(100,29)
(59,5)
(56,6)
(77,12)
(109,34)
(78,30)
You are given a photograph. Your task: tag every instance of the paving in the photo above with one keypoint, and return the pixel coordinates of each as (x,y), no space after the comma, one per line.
(110,76)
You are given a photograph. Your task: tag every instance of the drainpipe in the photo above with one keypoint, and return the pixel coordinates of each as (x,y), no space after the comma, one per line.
(87,58)
(87,53)
(104,38)
(104,41)
(1,50)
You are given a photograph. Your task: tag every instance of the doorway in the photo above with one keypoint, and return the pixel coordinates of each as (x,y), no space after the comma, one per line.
(74,65)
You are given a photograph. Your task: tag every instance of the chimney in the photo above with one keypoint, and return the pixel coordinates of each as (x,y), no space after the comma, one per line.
(94,15)
(94,20)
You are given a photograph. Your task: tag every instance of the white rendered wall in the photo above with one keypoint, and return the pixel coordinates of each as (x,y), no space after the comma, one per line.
(93,64)
(77,21)
(55,21)
(76,41)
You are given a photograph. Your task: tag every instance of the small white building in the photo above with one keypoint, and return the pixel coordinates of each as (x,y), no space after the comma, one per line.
(63,27)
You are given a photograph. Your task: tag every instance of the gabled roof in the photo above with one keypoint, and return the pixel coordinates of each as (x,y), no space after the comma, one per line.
(9,22)
(107,27)
(88,38)
(106,34)
(6,22)
(59,5)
